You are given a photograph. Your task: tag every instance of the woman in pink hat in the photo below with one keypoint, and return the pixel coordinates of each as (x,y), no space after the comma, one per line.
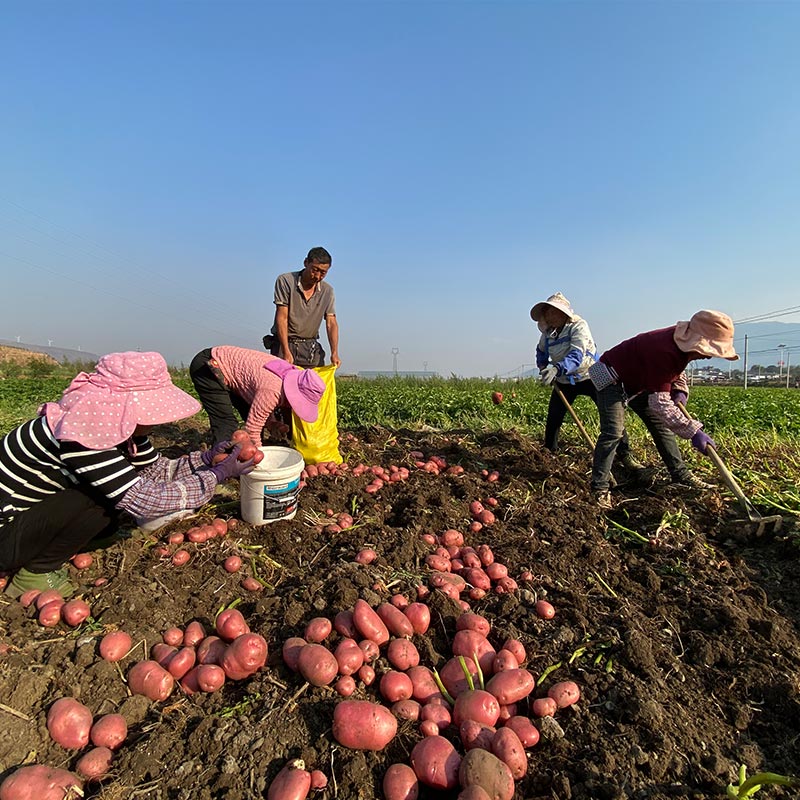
(66,475)
(639,373)
(259,386)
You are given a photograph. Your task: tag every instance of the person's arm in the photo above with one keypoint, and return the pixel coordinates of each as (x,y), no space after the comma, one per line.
(282,329)
(661,403)
(332,327)
(266,400)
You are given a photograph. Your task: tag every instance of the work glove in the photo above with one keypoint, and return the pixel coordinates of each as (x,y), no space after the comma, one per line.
(231,467)
(208,456)
(548,374)
(701,440)
(679,397)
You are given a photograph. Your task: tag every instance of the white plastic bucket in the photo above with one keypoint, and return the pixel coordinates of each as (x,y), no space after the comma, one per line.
(269,493)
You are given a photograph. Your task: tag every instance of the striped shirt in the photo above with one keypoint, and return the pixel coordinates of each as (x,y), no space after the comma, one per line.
(34,465)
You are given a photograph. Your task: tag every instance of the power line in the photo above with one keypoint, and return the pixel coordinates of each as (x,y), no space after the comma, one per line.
(771,315)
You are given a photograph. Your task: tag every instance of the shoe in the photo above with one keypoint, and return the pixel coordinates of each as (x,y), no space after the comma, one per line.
(25,580)
(630,463)
(691,481)
(602,499)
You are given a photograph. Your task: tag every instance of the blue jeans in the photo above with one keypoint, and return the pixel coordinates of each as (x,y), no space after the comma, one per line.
(611,403)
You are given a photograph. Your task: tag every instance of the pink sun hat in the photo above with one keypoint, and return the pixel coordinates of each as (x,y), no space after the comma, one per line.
(303,388)
(101,409)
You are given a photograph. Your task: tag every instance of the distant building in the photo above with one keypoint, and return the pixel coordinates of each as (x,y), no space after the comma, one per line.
(377,373)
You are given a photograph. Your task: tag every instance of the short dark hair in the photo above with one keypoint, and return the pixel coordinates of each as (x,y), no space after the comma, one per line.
(319,255)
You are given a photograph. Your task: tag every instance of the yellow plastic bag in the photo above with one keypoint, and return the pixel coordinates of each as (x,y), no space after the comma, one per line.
(319,441)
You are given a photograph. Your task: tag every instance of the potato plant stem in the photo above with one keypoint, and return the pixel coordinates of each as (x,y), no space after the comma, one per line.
(747,788)
(480,671)
(547,671)
(467,673)
(447,696)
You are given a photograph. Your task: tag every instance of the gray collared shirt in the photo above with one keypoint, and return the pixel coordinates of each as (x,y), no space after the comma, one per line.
(305,316)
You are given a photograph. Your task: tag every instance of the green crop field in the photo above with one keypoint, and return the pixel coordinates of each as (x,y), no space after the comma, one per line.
(757,430)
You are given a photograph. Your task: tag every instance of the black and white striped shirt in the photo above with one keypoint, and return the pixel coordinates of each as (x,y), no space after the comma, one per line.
(34,465)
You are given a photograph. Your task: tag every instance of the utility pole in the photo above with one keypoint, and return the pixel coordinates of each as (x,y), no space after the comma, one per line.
(744,364)
(395,353)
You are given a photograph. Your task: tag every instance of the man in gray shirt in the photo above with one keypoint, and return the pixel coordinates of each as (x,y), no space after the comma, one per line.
(302,300)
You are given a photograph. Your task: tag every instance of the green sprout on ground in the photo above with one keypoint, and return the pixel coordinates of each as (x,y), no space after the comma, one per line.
(747,787)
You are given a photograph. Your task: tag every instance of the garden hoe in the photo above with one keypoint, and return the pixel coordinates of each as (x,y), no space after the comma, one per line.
(759,522)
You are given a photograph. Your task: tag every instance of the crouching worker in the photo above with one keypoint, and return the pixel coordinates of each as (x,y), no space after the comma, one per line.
(66,475)
(259,386)
(644,373)
(564,354)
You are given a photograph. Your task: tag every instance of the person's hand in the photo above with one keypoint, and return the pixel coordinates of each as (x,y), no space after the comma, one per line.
(335,360)
(231,467)
(679,397)
(701,440)
(287,356)
(548,374)
(208,456)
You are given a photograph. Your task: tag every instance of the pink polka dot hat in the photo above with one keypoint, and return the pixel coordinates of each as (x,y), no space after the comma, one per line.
(102,409)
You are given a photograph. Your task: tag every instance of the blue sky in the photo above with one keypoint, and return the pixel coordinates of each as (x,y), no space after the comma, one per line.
(162,162)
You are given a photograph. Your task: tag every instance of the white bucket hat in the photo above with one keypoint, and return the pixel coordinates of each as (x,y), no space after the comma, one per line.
(556,300)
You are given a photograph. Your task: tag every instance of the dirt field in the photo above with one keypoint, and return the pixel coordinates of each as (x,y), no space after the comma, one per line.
(686,648)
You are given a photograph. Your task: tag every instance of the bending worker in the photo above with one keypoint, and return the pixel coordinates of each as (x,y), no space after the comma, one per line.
(302,300)
(642,373)
(66,475)
(259,386)
(564,354)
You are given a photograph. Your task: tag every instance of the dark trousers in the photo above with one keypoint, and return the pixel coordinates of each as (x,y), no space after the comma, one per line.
(52,531)
(218,401)
(556,410)
(306,353)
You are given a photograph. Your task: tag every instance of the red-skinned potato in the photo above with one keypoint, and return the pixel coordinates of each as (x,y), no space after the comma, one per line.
(477,705)
(251,584)
(468,643)
(473,792)
(400,783)
(365,556)
(402,654)
(232,564)
(50,614)
(508,748)
(26,599)
(517,648)
(564,693)
(317,664)
(438,563)
(293,782)
(210,650)
(109,731)
(69,723)
(428,728)
(343,624)
(39,782)
(291,651)
(362,725)
(544,609)
(150,679)
(395,686)
(245,655)
(231,623)
(48,596)
(477,578)
(163,653)
(496,571)
(436,762)
(345,686)
(182,662)
(395,620)
(473,734)
(319,780)
(180,557)
(349,656)
(452,537)
(210,677)
(506,712)
(369,624)
(503,660)
(482,768)
(544,707)
(74,612)
(511,686)
(95,764)
(194,634)
(452,675)
(115,646)
(82,560)
(505,585)
(173,636)
(527,732)
(469,621)
(366,675)
(317,630)
(424,685)
(419,615)
(399,601)
(370,649)
(438,713)
(407,709)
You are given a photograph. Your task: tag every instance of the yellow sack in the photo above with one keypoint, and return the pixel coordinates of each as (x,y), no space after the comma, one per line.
(319,441)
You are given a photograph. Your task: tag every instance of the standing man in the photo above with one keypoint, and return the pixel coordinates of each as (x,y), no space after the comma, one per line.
(302,300)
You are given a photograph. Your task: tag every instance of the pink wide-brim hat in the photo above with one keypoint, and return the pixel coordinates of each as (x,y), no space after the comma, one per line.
(709,333)
(303,388)
(101,409)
